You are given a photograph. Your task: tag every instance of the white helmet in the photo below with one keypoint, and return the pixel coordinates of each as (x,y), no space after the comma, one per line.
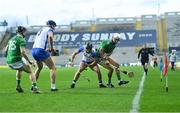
(116,36)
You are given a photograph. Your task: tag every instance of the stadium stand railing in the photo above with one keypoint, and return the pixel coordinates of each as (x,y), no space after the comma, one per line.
(173,28)
(81,26)
(115,24)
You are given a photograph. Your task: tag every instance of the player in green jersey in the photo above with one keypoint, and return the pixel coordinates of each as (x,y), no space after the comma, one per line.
(104,52)
(17,59)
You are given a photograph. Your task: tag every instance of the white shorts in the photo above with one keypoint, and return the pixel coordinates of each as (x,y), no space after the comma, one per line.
(17,65)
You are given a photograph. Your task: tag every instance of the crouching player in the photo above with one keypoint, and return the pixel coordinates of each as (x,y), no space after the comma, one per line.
(104,52)
(15,51)
(87,61)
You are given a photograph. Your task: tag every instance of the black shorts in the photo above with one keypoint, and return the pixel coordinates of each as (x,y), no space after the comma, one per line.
(143,61)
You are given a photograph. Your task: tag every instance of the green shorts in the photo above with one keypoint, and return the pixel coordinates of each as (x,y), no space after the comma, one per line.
(100,61)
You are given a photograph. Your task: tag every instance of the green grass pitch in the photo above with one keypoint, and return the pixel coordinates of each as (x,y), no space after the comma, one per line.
(87,96)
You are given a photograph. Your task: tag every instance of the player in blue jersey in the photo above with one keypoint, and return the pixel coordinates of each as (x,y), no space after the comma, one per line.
(43,42)
(87,61)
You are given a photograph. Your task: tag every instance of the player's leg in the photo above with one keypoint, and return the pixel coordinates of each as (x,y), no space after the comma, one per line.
(110,72)
(116,65)
(172,66)
(156,63)
(18,81)
(143,64)
(49,62)
(21,66)
(39,68)
(98,72)
(146,68)
(117,70)
(82,67)
(39,55)
(32,77)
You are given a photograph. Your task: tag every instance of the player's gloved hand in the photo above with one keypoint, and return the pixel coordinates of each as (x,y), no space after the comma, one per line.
(50,50)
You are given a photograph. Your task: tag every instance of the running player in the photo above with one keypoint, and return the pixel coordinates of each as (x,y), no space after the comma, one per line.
(87,61)
(15,52)
(144,53)
(104,52)
(43,39)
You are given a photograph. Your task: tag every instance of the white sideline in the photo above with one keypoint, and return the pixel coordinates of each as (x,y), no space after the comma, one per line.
(135,103)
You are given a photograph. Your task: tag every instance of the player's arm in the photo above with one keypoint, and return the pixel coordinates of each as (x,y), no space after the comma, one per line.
(74,55)
(94,58)
(175,58)
(103,45)
(150,52)
(169,56)
(81,49)
(139,53)
(50,41)
(6,50)
(23,54)
(101,51)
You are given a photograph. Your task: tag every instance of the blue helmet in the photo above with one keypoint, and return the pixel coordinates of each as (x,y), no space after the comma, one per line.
(51,22)
(89,46)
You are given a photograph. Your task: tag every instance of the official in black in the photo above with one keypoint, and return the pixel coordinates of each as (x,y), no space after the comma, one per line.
(143,56)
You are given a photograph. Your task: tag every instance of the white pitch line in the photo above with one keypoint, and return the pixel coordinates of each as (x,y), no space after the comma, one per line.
(135,103)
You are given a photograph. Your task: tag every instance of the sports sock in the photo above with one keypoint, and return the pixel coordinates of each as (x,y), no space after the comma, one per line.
(34,85)
(74,82)
(18,82)
(146,70)
(53,86)
(109,81)
(100,82)
(118,74)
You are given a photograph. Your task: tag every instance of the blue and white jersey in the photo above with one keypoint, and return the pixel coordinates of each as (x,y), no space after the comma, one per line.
(41,40)
(87,57)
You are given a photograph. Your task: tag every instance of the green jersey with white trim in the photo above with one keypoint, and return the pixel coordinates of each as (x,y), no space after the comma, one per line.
(14,52)
(107,45)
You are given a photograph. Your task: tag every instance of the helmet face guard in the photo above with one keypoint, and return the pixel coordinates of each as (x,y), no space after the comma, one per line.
(89,47)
